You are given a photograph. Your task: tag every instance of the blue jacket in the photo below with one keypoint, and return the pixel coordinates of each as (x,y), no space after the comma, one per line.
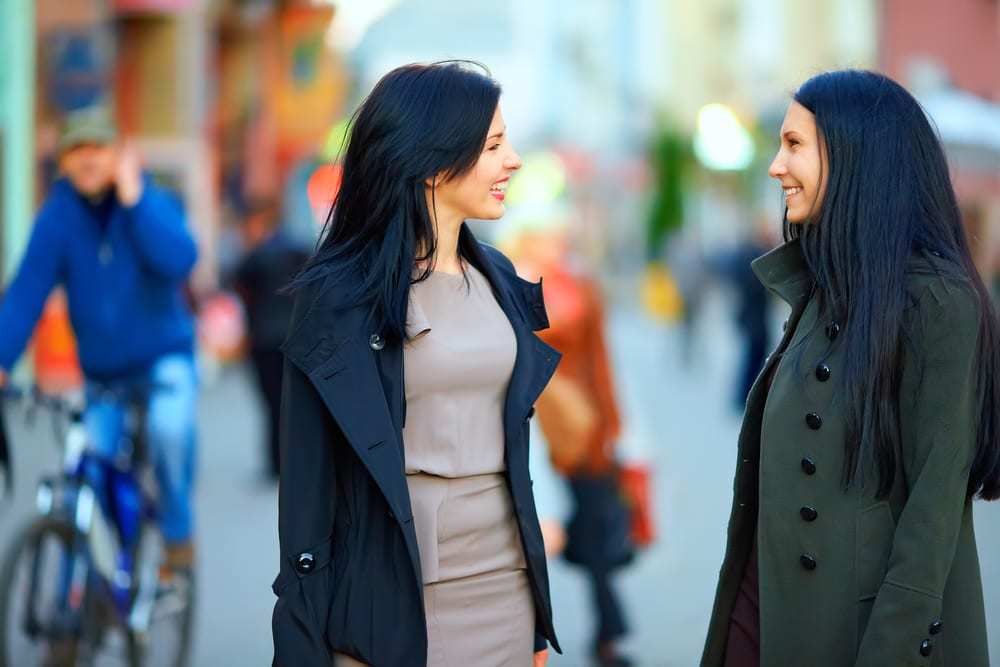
(123,278)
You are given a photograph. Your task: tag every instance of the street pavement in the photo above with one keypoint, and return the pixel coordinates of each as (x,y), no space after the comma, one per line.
(678,417)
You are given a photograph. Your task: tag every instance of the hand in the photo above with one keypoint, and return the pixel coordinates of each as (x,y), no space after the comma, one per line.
(128,176)
(553,537)
(541,658)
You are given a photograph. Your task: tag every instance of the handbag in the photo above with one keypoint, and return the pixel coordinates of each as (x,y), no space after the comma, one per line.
(635,479)
(568,419)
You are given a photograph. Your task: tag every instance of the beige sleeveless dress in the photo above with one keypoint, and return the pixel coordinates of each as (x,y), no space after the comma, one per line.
(457,367)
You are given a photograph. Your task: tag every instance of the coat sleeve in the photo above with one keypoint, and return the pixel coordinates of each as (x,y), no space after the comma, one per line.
(160,235)
(540,642)
(604,385)
(306,506)
(937,408)
(37,274)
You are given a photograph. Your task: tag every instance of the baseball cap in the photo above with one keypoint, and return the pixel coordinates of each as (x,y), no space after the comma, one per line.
(88,125)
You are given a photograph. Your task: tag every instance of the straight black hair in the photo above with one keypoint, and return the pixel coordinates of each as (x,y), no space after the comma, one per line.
(888,196)
(419,123)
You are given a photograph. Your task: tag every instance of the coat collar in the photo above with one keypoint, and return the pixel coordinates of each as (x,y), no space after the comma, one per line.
(785,272)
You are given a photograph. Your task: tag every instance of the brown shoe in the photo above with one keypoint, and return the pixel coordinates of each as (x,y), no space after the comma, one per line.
(61,653)
(179,556)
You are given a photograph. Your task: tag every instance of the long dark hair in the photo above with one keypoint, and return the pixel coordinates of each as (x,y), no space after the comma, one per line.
(419,122)
(888,196)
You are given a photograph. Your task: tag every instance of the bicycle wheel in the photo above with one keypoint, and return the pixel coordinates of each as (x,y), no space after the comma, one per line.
(162,619)
(49,614)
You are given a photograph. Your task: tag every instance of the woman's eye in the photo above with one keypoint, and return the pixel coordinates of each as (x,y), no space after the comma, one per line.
(493,147)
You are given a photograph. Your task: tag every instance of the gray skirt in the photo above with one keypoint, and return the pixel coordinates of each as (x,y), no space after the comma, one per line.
(486,621)
(477,598)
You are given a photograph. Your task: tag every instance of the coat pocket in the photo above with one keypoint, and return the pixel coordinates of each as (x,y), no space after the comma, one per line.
(304,599)
(876,530)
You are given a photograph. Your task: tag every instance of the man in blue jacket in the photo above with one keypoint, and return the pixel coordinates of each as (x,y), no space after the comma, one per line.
(119,246)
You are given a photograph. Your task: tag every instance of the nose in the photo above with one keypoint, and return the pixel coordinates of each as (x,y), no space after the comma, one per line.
(777,168)
(513,161)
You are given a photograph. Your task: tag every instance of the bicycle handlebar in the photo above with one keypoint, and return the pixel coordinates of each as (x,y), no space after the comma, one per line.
(38,398)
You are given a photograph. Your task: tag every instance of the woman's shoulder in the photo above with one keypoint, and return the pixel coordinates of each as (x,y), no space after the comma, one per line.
(324,292)
(944,305)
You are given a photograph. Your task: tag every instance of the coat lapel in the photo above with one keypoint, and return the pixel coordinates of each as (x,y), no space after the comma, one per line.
(339,359)
(536,361)
(785,273)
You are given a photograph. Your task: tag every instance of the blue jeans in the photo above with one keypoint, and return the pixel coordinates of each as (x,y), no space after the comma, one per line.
(170,435)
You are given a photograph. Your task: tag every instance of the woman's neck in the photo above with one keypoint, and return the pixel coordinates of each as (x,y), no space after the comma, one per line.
(446,257)
(447,223)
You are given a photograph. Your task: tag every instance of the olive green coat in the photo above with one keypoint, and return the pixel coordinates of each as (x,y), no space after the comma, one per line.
(846,579)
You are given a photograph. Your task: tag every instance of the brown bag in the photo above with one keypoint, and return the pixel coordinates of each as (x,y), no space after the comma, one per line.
(568,418)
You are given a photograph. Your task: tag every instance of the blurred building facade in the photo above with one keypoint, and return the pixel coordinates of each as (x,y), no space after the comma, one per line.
(751,54)
(221,98)
(948,54)
(16,128)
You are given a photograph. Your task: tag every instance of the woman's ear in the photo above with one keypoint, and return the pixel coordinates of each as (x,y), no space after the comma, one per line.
(431,181)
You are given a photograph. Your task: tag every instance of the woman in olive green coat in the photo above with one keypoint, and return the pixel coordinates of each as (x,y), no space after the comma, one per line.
(875,422)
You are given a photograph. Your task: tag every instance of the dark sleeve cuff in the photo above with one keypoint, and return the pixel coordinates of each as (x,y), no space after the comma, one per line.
(540,643)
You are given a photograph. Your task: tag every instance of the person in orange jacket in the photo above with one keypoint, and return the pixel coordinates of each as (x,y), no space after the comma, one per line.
(579,417)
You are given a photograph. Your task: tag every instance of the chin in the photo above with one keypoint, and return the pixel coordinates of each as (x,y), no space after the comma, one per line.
(492,213)
(90,188)
(796,218)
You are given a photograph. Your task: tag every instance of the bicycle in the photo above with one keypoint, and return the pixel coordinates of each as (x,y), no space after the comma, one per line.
(87,568)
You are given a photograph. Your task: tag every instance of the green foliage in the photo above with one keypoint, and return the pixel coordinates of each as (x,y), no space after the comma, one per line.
(671,160)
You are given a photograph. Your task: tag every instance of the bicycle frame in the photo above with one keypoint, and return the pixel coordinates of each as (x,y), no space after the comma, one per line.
(103,500)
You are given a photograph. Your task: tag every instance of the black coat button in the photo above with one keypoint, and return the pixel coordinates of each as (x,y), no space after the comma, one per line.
(926,647)
(814,421)
(936,628)
(808,513)
(376,342)
(808,562)
(808,467)
(832,330)
(305,563)
(822,372)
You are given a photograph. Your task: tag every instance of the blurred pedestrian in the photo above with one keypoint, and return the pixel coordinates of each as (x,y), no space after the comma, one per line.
(271,261)
(876,421)
(689,268)
(120,247)
(579,417)
(753,302)
(406,519)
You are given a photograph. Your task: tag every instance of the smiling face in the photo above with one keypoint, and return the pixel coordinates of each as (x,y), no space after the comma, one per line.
(479,193)
(800,164)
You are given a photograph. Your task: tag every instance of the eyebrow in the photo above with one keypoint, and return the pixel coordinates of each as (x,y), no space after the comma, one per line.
(497,135)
